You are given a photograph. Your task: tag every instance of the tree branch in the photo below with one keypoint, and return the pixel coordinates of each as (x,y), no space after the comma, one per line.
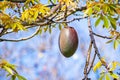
(105,37)
(93,39)
(94,44)
(40,23)
(17,1)
(22,39)
(70,20)
(87,61)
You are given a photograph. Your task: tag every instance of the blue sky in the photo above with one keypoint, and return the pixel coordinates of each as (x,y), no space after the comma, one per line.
(39,58)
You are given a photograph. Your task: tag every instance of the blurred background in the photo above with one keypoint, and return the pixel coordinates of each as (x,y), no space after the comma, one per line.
(39,58)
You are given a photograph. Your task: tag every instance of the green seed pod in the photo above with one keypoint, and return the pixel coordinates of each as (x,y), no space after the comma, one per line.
(68,41)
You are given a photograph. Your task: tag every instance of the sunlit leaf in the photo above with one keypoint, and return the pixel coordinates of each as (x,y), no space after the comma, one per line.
(54,1)
(40,31)
(46,28)
(60,27)
(112,21)
(6,4)
(114,64)
(9,70)
(102,76)
(106,22)
(67,2)
(97,21)
(89,11)
(97,66)
(103,61)
(20,77)
(115,44)
(114,75)
(31,14)
(107,77)
(109,41)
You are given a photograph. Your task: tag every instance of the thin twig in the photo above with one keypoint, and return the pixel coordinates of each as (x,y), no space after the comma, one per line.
(105,37)
(70,20)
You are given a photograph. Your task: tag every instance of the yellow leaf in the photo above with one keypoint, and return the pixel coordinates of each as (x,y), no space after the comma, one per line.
(103,61)
(102,76)
(114,75)
(89,11)
(114,64)
(6,4)
(97,66)
(8,70)
(14,26)
(20,26)
(31,14)
(107,77)
(68,2)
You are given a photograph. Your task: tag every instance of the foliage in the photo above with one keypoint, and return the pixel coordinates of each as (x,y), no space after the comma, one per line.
(17,15)
(11,69)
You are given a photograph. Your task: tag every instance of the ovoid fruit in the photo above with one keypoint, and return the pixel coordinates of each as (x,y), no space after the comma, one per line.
(68,41)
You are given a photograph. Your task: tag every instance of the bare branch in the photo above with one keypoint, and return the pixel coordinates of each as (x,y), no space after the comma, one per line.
(70,20)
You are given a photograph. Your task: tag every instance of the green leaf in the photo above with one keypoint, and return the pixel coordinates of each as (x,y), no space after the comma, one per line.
(40,31)
(9,70)
(106,22)
(54,1)
(8,75)
(13,77)
(107,77)
(96,8)
(46,28)
(102,76)
(97,66)
(89,11)
(97,21)
(109,41)
(20,77)
(60,27)
(112,21)
(114,75)
(37,1)
(115,44)
(50,29)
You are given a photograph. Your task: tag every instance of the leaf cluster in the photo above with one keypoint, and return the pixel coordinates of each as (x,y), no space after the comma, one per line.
(11,70)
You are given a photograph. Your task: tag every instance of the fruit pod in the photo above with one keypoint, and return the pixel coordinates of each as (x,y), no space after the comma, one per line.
(68,41)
